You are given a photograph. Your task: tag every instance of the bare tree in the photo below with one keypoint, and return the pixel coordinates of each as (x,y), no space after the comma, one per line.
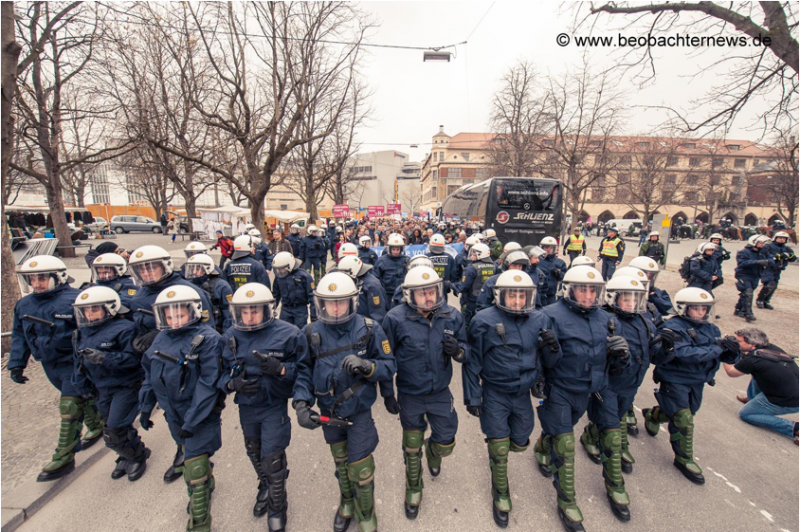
(778,181)
(411,199)
(144,177)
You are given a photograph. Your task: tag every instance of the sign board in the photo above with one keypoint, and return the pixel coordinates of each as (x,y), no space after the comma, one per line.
(394,208)
(375,211)
(663,224)
(423,214)
(341,211)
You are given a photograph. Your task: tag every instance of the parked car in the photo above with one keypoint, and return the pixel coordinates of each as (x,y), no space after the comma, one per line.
(98,226)
(127,223)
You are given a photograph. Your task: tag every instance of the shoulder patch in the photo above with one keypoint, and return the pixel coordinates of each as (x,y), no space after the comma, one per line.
(131,291)
(205,315)
(376,300)
(312,285)
(229,297)
(386,347)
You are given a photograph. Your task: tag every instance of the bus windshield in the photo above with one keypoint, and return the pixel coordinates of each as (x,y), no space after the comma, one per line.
(526,195)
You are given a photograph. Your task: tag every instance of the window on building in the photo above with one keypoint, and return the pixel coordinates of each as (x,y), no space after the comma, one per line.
(670,179)
(435,156)
(713,180)
(624,159)
(441,156)
(624,179)
(717,161)
(694,161)
(435,174)
(667,193)
(689,145)
(623,193)
(99,183)
(548,142)
(596,143)
(598,193)
(672,160)
(648,160)
(739,163)
(482,173)
(737,180)
(692,180)
(465,156)
(690,195)
(734,147)
(643,144)
(454,172)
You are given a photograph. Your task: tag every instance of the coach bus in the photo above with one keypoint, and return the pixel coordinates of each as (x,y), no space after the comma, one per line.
(519,209)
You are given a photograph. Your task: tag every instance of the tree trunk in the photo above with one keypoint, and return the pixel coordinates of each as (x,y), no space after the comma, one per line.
(59,221)
(191,212)
(257,214)
(80,194)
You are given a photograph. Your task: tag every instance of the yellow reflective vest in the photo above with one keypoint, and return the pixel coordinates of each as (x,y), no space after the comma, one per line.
(609,247)
(575,243)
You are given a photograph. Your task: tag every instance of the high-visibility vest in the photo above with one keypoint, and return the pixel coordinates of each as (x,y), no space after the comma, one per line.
(609,248)
(575,243)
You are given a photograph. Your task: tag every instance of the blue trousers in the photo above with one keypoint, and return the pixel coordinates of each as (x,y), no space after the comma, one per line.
(207,438)
(295,315)
(60,376)
(315,266)
(561,410)
(361,436)
(673,397)
(609,267)
(416,411)
(269,424)
(118,406)
(607,411)
(760,412)
(507,415)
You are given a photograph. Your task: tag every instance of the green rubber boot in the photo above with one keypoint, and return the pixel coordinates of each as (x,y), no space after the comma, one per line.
(627,457)
(498,462)
(563,458)
(198,477)
(434,452)
(611,447)
(412,454)
(344,514)
(94,424)
(541,449)
(681,436)
(653,418)
(590,440)
(362,475)
(630,423)
(63,461)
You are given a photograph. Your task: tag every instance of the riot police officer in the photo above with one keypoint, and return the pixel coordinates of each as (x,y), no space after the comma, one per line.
(367,255)
(294,290)
(443,263)
(261,251)
(312,253)
(43,326)
(201,272)
(495,246)
(583,260)
(462,258)
(750,262)
(198,248)
(110,270)
(703,268)
(181,371)
(553,267)
(682,373)
(507,341)
(259,359)
(517,261)
(347,249)
(425,334)
(659,303)
(243,268)
(392,265)
(720,255)
(589,347)
(372,300)
(612,248)
(415,261)
(348,354)
(779,256)
(535,255)
(294,239)
(654,249)
(475,274)
(106,361)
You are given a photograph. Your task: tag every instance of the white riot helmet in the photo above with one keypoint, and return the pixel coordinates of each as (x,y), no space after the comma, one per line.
(312,230)
(423,289)
(755,239)
(96,305)
(511,246)
(347,250)
(706,246)
(198,266)
(364,241)
(694,304)
(336,298)
(256,235)
(517,257)
(177,306)
(584,287)
(252,307)
(515,292)
(294,229)
(395,241)
(715,236)
(321,232)
(781,234)
(194,248)
(339,229)
(283,264)
(648,266)
(420,260)
(353,266)
(537,252)
(489,233)
(626,295)
(436,245)
(471,241)
(108,267)
(150,265)
(480,237)
(479,251)
(633,273)
(549,241)
(583,260)
(248,228)
(242,246)
(655,233)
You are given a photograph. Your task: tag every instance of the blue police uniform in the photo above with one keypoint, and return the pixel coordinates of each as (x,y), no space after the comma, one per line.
(123,286)
(312,253)
(486,297)
(246,270)
(445,266)
(779,257)
(720,255)
(295,239)
(367,255)
(661,304)
(146,296)
(263,255)
(701,271)
(332,238)
(220,294)
(391,271)
(470,284)
(295,292)
(554,269)
(748,273)
(461,262)
(372,300)
(217,269)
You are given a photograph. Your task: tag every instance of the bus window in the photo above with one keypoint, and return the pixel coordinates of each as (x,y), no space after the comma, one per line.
(525,195)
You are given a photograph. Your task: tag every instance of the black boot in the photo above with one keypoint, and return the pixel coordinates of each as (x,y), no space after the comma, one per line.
(138,466)
(274,468)
(771,287)
(253,449)
(760,303)
(120,469)
(175,471)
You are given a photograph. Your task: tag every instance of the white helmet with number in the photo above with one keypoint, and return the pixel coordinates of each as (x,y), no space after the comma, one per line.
(96,305)
(423,289)
(517,257)
(197,266)
(150,264)
(633,273)
(780,234)
(252,307)
(511,246)
(583,260)
(490,233)
(548,241)
(479,251)
(694,304)
(717,236)
(256,235)
(626,295)
(420,260)
(364,241)
(108,267)
(177,306)
(395,241)
(283,264)
(584,287)
(336,298)
(194,248)
(353,266)
(436,245)
(347,250)
(647,265)
(242,246)
(515,292)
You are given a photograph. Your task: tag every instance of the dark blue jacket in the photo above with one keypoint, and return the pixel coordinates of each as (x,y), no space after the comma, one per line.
(294,240)
(445,266)
(471,282)
(701,271)
(639,331)
(124,286)
(511,365)
(696,356)
(546,265)
(188,394)
(146,296)
(295,290)
(263,255)
(422,367)
(279,339)
(312,247)
(367,255)
(52,346)
(121,365)
(391,271)
(461,262)
(221,294)
(779,256)
(581,365)
(721,254)
(486,297)
(746,263)
(245,270)
(660,300)
(372,300)
(323,379)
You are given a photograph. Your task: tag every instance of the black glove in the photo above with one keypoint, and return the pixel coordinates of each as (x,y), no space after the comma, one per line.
(304,415)
(447,286)
(450,346)
(354,365)
(763,263)
(475,410)
(18,377)
(243,385)
(667,339)
(391,405)
(183,434)
(143,342)
(617,347)
(548,339)
(729,344)
(144,420)
(270,366)
(538,389)
(556,273)
(94,356)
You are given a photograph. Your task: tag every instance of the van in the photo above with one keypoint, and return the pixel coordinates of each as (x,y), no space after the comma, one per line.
(623,226)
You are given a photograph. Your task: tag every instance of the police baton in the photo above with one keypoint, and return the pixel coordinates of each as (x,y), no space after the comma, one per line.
(330,421)
(38,320)
(169,358)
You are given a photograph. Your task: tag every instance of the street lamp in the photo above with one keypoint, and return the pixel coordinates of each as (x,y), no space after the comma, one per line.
(432,55)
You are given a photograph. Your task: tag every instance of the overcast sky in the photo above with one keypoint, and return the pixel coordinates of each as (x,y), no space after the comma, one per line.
(411,98)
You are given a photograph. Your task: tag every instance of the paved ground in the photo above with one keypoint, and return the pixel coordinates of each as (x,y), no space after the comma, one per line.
(752,475)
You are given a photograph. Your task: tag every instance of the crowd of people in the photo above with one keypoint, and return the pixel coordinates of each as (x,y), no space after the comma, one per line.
(272,327)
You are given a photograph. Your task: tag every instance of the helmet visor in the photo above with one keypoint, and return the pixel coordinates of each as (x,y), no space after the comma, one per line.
(105,273)
(37,283)
(280,271)
(651,278)
(585,295)
(515,300)
(170,316)
(91,315)
(150,272)
(438,249)
(425,298)
(193,252)
(338,310)
(628,301)
(252,317)
(193,271)
(698,312)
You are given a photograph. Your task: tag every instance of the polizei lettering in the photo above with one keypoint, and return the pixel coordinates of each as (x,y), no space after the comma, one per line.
(535,216)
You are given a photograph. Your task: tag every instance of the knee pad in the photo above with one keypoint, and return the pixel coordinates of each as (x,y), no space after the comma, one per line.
(499,449)
(412,440)
(70,407)
(683,419)
(519,448)
(748,292)
(253,448)
(274,462)
(339,451)
(115,438)
(772,286)
(444,449)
